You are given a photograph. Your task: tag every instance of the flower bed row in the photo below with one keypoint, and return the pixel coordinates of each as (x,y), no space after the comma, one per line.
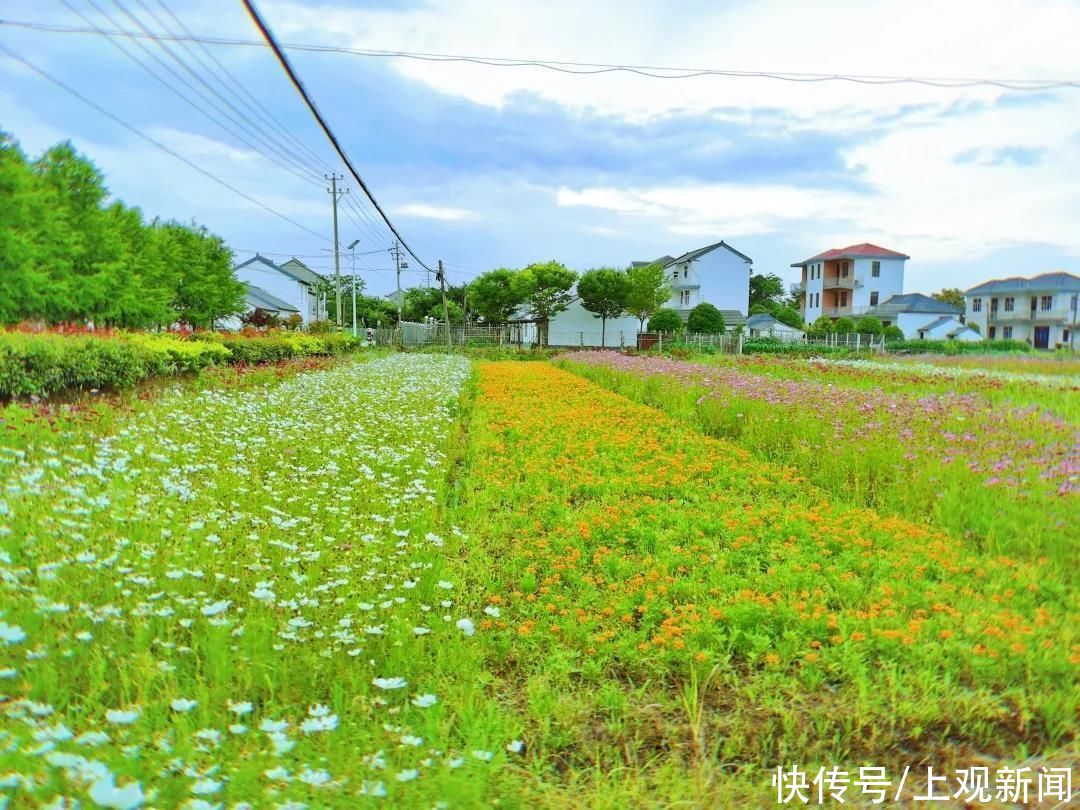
(623,547)
(240,599)
(44,364)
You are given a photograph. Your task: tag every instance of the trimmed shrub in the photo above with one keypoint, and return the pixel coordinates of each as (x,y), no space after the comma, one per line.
(868,325)
(843,326)
(705,319)
(666,320)
(893,332)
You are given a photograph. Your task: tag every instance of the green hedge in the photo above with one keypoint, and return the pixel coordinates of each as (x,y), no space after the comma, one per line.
(777,346)
(43,364)
(956,346)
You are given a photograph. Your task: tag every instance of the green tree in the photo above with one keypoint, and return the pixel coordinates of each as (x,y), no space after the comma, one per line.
(843,326)
(893,332)
(766,290)
(496,295)
(788,315)
(422,302)
(705,319)
(603,292)
(822,326)
(650,289)
(869,325)
(950,295)
(666,319)
(25,285)
(548,289)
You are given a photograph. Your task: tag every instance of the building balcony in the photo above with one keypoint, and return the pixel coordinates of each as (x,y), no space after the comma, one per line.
(1028,316)
(841,283)
(840,312)
(685,284)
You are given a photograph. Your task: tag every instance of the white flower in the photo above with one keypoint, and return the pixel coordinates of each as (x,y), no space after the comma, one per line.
(204,787)
(407,776)
(105,793)
(390,683)
(483,756)
(515,746)
(408,739)
(492,611)
(240,709)
(120,717)
(263,594)
(183,705)
(217,607)
(237,729)
(318,710)
(421,631)
(372,788)
(314,778)
(423,701)
(466,626)
(11,633)
(445,585)
(273,726)
(92,738)
(313,725)
(278,774)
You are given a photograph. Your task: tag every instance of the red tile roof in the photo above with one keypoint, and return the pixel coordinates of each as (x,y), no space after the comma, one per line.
(863,250)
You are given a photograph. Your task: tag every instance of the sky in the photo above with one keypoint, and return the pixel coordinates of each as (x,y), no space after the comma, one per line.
(487,167)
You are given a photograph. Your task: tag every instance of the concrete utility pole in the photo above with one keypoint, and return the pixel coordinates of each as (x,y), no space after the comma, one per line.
(335,195)
(352,249)
(446,309)
(399,265)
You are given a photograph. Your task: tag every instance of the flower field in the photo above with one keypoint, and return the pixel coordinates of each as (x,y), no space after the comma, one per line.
(412,581)
(988,455)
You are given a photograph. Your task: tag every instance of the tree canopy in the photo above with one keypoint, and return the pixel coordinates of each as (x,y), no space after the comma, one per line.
(603,292)
(649,289)
(666,320)
(767,291)
(68,253)
(548,288)
(497,294)
(950,295)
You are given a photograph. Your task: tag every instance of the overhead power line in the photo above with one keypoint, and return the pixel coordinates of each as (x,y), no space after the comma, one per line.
(136,131)
(299,85)
(594,68)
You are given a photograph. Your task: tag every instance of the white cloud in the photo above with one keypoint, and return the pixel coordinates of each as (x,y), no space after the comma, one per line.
(435,212)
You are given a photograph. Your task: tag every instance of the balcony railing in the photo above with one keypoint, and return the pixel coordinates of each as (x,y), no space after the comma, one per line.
(841,283)
(1040,315)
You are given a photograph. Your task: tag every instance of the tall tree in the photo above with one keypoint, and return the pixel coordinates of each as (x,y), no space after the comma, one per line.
(603,292)
(496,295)
(549,289)
(24,283)
(766,290)
(649,290)
(705,319)
(951,295)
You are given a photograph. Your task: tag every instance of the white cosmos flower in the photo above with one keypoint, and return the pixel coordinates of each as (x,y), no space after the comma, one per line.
(407,776)
(183,705)
(423,701)
(278,774)
(409,739)
(92,738)
(238,729)
(241,708)
(217,607)
(373,788)
(313,725)
(11,633)
(7,673)
(204,787)
(390,683)
(421,631)
(263,594)
(483,756)
(445,585)
(122,717)
(515,746)
(105,793)
(492,611)
(314,778)
(466,626)
(273,726)
(318,710)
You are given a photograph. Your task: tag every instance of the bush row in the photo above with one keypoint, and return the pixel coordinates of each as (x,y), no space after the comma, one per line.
(43,364)
(957,346)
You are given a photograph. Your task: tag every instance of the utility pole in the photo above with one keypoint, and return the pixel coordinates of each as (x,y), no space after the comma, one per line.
(335,195)
(399,265)
(352,249)
(446,310)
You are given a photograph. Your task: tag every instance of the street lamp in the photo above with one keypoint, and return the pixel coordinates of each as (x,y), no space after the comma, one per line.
(352,249)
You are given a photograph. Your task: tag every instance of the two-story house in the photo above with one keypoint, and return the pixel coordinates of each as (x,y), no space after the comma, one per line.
(716,274)
(292,282)
(1041,311)
(848,281)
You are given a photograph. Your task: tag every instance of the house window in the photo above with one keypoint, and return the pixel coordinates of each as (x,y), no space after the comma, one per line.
(873,298)
(976,305)
(1064,335)
(675,274)
(684,298)
(993,304)
(1009,304)
(685,272)
(992,332)
(843,298)
(1006,332)
(875,269)
(1046,302)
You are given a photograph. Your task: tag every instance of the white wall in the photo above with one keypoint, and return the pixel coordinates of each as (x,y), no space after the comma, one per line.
(725,280)
(280,285)
(910,322)
(576,326)
(889,283)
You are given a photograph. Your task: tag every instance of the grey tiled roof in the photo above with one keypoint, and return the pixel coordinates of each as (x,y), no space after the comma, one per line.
(694,254)
(258,298)
(296,270)
(915,302)
(1046,281)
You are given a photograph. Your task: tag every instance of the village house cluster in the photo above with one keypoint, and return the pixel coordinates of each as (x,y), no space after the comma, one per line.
(853,281)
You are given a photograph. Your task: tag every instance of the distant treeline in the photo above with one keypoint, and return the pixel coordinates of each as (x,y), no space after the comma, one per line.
(68,253)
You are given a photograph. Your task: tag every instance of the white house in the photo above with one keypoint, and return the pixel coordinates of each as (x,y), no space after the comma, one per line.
(848,281)
(948,327)
(717,274)
(258,298)
(292,283)
(1041,311)
(764,325)
(913,311)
